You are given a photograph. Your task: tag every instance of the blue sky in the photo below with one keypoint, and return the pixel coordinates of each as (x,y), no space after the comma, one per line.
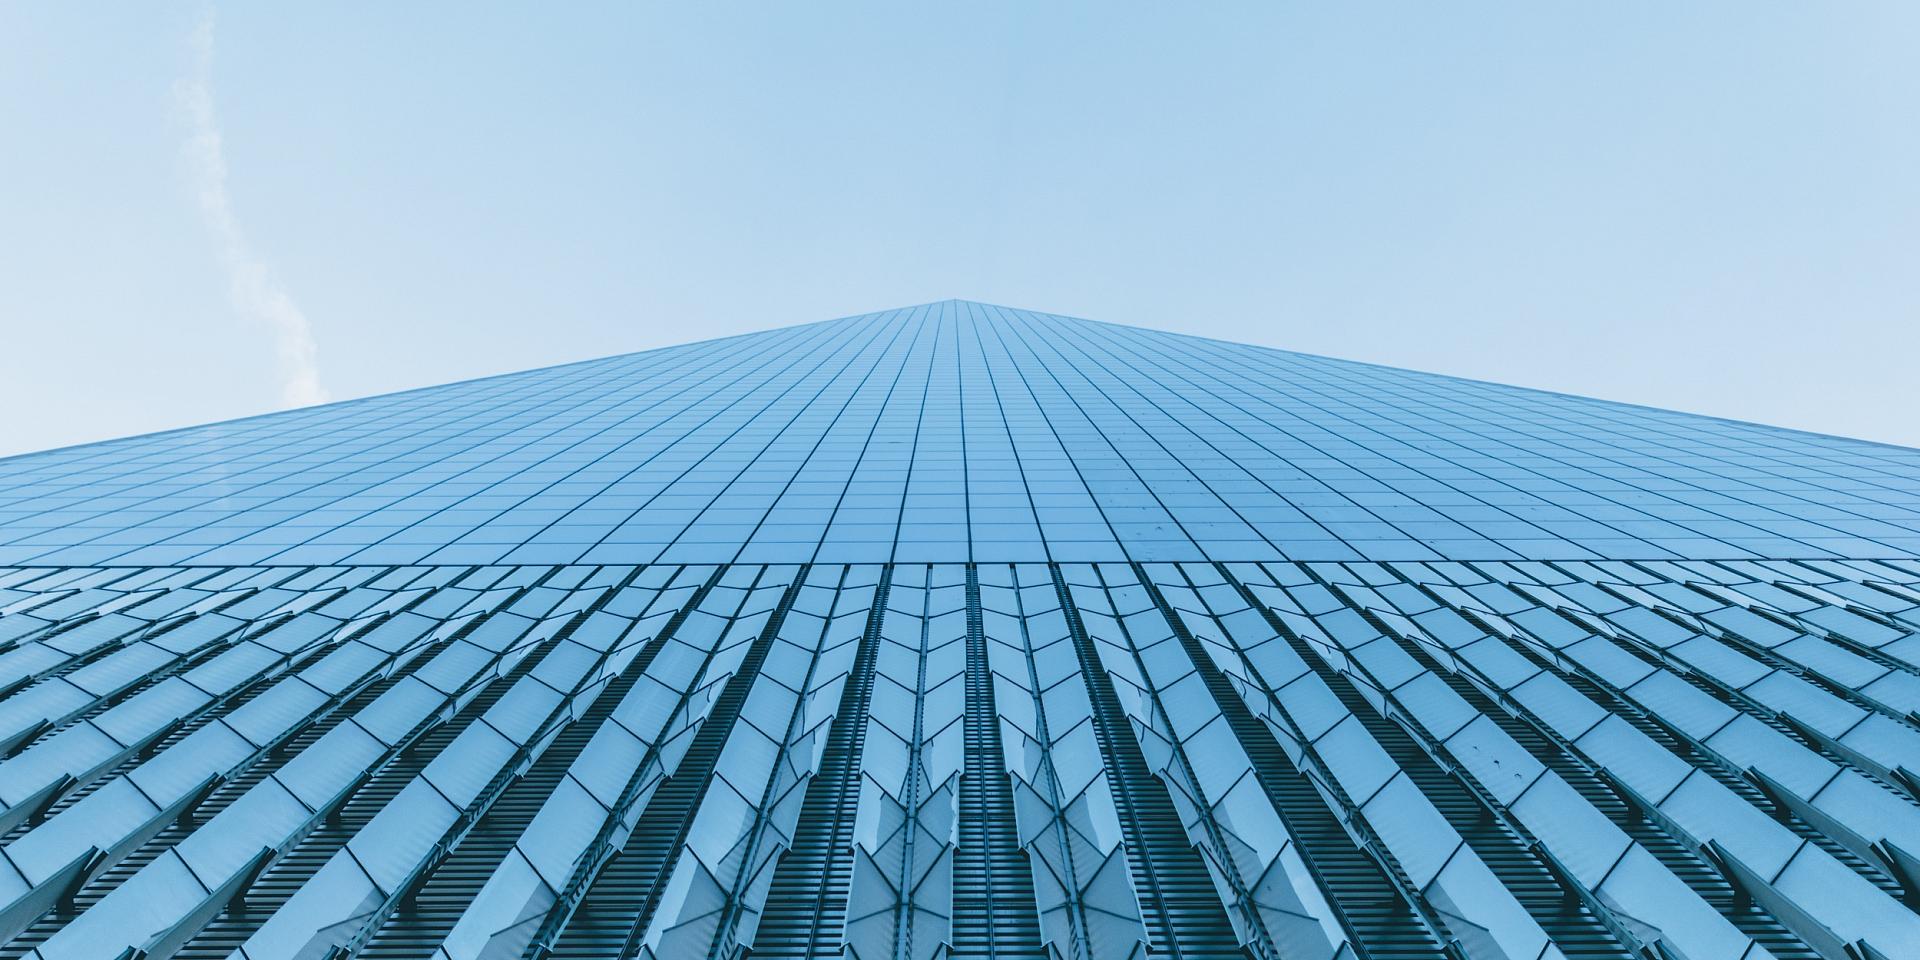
(209,212)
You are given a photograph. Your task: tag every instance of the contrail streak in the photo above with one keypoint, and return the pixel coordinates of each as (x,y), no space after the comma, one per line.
(256,293)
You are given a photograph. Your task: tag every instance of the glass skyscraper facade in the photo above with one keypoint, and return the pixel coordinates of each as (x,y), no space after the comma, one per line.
(962,631)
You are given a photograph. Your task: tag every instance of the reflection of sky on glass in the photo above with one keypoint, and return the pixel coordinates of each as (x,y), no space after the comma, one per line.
(957,430)
(1109,636)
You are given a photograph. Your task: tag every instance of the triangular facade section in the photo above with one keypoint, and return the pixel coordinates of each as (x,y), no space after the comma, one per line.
(962,631)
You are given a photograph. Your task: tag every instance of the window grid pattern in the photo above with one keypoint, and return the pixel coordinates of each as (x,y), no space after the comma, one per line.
(961,631)
(961,430)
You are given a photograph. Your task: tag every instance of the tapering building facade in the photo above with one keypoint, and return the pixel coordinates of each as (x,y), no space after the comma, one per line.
(962,631)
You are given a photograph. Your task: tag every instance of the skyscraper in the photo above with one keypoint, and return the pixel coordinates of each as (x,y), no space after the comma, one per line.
(963,631)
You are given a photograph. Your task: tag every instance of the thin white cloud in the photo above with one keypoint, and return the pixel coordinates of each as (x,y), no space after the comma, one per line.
(257,294)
